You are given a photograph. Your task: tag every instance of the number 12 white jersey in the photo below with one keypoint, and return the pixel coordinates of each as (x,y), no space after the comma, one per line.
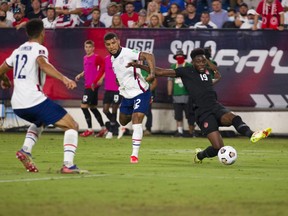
(28,79)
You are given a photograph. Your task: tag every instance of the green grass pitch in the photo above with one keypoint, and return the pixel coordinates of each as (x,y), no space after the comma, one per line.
(165,182)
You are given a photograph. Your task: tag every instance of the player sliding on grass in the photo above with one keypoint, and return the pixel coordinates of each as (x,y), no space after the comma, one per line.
(30,65)
(210,114)
(132,86)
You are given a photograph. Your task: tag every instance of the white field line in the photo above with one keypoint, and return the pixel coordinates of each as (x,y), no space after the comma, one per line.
(53,178)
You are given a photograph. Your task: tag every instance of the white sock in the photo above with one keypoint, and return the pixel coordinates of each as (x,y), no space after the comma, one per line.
(70,146)
(32,135)
(180,130)
(136,138)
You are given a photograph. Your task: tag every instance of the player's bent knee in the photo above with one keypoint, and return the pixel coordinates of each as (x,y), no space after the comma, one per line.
(67,122)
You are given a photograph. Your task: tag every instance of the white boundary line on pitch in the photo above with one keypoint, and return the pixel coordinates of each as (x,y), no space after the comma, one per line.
(53,178)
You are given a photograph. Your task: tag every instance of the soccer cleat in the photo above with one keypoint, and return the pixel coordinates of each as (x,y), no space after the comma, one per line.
(109,135)
(133,159)
(196,159)
(72,170)
(258,135)
(147,133)
(101,132)
(87,133)
(26,160)
(121,132)
(178,134)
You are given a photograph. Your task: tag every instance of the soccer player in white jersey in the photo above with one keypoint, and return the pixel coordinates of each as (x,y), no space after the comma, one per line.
(30,65)
(132,86)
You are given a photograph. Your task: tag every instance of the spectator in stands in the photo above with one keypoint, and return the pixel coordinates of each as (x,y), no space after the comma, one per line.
(44,4)
(6,7)
(130,16)
(142,21)
(218,15)
(250,23)
(163,6)
(231,23)
(103,5)
(155,22)
(4,22)
(20,20)
(180,3)
(205,21)
(106,17)
(180,21)
(272,14)
(285,7)
(117,22)
(50,20)
(236,4)
(153,8)
(87,8)
(27,6)
(138,4)
(242,15)
(169,20)
(95,21)
(252,4)
(36,12)
(68,12)
(191,17)
(179,93)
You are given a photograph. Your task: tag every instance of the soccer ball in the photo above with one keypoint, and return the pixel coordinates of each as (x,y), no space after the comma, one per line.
(227,155)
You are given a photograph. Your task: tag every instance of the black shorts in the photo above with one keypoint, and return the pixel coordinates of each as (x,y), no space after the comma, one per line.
(210,120)
(179,108)
(191,112)
(112,97)
(90,97)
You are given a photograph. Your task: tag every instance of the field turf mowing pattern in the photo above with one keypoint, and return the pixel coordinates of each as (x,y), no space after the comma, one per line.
(165,182)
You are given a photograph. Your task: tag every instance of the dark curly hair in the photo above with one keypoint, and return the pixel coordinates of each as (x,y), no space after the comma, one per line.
(197,51)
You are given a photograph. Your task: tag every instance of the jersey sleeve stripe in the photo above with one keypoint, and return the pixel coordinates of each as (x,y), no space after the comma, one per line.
(138,81)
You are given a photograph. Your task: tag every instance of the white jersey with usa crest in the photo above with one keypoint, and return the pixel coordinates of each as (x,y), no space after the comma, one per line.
(130,79)
(28,78)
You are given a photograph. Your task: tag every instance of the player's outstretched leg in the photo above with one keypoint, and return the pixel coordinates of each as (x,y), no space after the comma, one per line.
(258,135)
(196,159)
(121,132)
(136,142)
(26,159)
(70,146)
(24,155)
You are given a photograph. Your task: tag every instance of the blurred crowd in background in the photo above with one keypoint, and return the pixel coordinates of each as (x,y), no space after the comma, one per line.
(244,14)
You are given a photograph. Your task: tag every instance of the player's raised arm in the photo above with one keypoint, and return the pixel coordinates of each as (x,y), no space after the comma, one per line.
(50,70)
(158,71)
(214,68)
(217,77)
(150,59)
